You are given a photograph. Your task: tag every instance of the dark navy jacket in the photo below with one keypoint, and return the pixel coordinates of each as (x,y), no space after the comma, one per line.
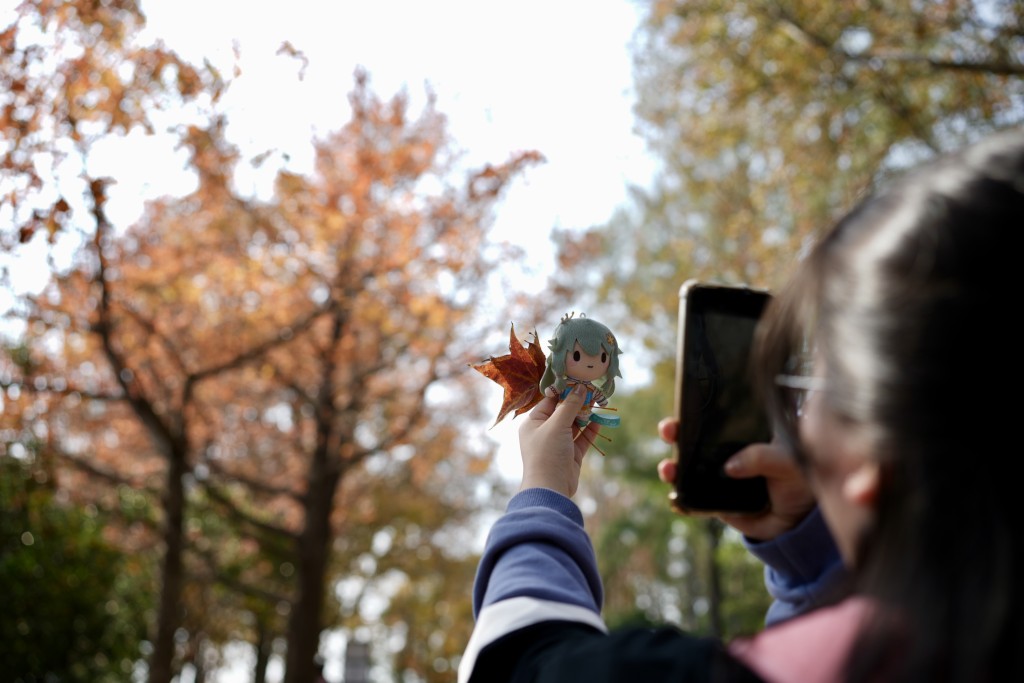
(538,596)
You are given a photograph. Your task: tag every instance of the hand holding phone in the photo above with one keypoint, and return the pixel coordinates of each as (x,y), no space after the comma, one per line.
(718,410)
(790,494)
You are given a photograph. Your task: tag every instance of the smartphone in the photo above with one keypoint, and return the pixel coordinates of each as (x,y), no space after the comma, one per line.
(718,410)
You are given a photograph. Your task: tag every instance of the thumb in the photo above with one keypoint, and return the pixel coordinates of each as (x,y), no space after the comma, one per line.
(565,413)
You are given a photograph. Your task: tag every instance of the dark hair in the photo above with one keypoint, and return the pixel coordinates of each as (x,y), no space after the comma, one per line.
(909,304)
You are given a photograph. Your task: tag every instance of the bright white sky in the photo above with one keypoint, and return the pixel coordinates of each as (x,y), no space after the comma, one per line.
(549,75)
(536,74)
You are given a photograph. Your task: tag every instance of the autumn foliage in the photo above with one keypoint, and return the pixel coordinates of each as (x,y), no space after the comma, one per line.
(769,120)
(278,383)
(518,373)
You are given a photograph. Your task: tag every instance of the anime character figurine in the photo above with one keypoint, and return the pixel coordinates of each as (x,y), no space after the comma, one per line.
(583,351)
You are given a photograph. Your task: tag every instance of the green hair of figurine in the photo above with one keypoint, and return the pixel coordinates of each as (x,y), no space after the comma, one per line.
(593,337)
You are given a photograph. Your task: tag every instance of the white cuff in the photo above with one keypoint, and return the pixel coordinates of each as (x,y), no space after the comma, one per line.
(506,616)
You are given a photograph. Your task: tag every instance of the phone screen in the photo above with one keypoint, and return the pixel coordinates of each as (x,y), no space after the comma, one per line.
(719,412)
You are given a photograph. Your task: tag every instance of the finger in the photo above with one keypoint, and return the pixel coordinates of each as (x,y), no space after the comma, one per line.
(746,524)
(565,414)
(542,411)
(667,471)
(668,429)
(761,459)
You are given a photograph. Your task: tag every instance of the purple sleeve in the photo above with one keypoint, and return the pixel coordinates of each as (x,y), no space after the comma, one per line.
(539,549)
(803,569)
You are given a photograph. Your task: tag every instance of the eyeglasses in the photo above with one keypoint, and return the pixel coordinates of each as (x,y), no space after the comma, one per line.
(800,386)
(800,382)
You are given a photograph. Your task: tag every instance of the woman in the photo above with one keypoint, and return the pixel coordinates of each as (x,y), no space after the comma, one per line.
(901,429)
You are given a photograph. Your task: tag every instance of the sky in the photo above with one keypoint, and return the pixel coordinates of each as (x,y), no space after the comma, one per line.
(551,76)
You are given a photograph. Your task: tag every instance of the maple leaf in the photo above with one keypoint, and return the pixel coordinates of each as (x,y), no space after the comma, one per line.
(518,373)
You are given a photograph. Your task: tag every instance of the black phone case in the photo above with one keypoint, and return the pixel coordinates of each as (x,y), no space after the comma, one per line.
(715,402)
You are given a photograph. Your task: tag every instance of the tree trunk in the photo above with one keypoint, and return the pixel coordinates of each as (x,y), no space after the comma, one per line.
(199,661)
(314,546)
(169,615)
(264,646)
(714,529)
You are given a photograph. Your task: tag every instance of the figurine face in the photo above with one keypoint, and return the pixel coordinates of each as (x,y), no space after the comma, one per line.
(581,365)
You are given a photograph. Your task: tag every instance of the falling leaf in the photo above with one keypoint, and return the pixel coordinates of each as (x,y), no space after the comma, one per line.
(518,372)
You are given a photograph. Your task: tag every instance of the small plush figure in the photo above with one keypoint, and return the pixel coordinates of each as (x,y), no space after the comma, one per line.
(583,351)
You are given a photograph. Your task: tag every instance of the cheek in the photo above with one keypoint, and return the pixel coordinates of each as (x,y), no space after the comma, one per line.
(834,456)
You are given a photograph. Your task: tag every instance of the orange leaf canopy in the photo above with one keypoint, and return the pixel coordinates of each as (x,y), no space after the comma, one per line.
(518,372)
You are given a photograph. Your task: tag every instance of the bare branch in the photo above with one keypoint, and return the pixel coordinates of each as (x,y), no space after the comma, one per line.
(221,497)
(104,473)
(211,563)
(255,485)
(150,327)
(29,388)
(254,353)
(805,36)
(994,68)
(142,406)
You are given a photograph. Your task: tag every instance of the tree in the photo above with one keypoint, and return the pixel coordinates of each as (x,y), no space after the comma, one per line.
(72,77)
(240,357)
(72,603)
(770,119)
(417,557)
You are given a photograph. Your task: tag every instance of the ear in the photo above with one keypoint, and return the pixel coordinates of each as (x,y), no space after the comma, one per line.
(861,485)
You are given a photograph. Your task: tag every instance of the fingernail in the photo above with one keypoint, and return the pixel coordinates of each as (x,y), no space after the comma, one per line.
(732,465)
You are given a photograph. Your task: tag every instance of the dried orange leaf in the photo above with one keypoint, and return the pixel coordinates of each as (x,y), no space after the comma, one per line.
(518,373)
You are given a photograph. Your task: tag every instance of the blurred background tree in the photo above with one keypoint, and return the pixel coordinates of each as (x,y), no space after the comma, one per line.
(281,382)
(769,120)
(73,602)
